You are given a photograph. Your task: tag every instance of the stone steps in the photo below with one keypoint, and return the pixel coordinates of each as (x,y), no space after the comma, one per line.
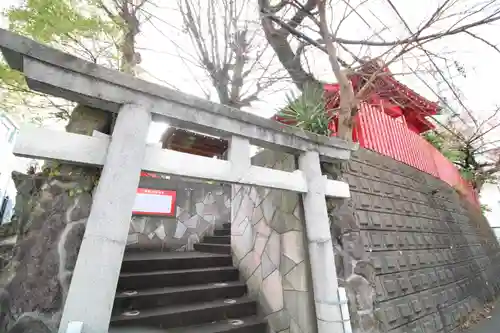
(242,325)
(160,297)
(213,248)
(159,261)
(222,232)
(184,292)
(218,239)
(187,314)
(169,278)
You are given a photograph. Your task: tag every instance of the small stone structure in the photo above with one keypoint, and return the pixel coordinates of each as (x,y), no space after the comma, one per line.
(200,207)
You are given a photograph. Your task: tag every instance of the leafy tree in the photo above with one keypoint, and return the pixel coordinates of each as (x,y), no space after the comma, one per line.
(93,30)
(472,146)
(79,29)
(307,111)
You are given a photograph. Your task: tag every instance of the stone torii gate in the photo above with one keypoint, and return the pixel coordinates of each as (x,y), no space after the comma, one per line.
(125,153)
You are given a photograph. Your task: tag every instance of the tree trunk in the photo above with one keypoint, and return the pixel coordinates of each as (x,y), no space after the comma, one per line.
(348,105)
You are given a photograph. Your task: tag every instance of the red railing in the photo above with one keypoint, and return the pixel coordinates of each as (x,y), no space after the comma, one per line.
(377,131)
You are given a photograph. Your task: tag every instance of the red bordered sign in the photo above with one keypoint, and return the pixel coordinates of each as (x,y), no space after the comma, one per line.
(154,202)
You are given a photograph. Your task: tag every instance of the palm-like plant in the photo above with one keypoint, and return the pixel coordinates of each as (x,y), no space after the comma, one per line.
(308,111)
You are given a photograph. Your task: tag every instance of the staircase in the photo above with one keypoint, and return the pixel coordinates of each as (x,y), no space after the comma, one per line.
(185,292)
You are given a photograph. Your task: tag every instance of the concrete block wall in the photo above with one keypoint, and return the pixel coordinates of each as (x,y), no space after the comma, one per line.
(200,208)
(269,248)
(412,254)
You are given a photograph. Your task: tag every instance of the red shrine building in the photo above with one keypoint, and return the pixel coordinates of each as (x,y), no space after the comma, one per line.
(390,96)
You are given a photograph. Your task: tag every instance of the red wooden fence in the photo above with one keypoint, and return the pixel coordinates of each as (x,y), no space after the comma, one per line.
(377,131)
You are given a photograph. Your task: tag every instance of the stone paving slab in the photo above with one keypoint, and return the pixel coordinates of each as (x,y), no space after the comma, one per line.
(488,325)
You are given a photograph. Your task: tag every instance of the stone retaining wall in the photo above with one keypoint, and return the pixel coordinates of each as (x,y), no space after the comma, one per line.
(414,256)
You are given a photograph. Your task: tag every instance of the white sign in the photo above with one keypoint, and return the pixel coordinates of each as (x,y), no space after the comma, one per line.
(154,202)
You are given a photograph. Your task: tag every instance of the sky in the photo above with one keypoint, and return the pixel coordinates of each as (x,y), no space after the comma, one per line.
(478,88)
(161,40)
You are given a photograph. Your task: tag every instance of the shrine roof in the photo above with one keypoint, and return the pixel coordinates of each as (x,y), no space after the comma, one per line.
(386,86)
(193,142)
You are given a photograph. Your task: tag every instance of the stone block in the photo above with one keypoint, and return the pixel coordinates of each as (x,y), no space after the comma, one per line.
(248,264)
(160,232)
(375,220)
(286,264)
(132,239)
(363,219)
(391,287)
(391,314)
(254,283)
(180,230)
(355,168)
(399,221)
(388,221)
(292,245)
(404,283)
(267,266)
(138,223)
(416,305)
(279,321)
(367,185)
(410,240)
(260,243)
(192,222)
(391,264)
(415,281)
(272,293)
(301,310)
(405,310)
(268,209)
(380,293)
(377,263)
(365,236)
(402,260)
(273,248)
(377,242)
(377,188)
(389,240)
(296,279)
(286,222)
(290,201)
(242,242)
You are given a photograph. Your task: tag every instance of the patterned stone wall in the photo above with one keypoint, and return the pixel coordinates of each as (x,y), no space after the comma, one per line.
(412,254)
(41,252)
(200,207)
(268,244)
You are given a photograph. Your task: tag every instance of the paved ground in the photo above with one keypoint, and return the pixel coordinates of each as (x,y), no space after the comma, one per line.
(491,325)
